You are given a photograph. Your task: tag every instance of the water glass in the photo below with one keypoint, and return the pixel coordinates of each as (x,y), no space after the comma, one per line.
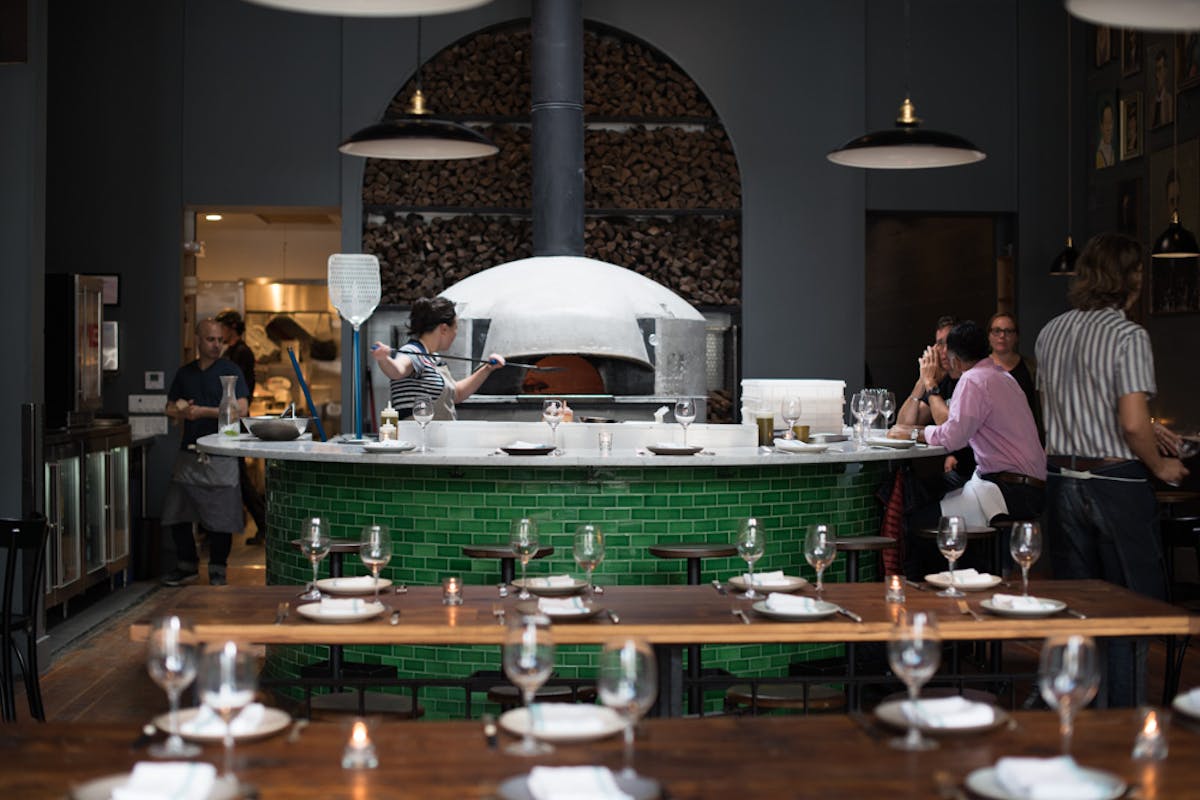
(1025,545)
(820,550)
(914,654)
(628,683)
(228,679)
(423,414)
(751,544)
(1068,677)
(528,661)
(589,550)
(171,660)
(375,550)
(314,545)
(685,414)
(862,405)
(523,539)
(604,440)
(952,542)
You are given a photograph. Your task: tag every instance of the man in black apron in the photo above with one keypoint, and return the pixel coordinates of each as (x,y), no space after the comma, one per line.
(204,489)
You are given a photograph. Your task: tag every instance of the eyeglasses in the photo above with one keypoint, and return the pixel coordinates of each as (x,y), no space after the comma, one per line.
(1003,331)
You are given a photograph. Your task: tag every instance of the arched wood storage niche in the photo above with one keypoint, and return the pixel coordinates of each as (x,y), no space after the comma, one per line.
(663,191)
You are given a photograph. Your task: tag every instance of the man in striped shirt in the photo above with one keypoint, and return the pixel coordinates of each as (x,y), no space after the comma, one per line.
(1095,376)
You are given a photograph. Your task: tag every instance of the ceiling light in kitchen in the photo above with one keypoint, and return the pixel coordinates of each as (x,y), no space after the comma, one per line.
(372,8)
(213,217)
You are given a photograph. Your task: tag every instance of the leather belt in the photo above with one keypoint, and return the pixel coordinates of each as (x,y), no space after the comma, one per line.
(1083,464)
(1014,477)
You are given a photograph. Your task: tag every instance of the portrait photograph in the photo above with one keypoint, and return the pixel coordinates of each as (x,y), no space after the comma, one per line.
(1129,208)
(1131,52)
(1131,126)
(1187,59)
(1173,187)
(1106,126)
(1161,97)
(1103,45)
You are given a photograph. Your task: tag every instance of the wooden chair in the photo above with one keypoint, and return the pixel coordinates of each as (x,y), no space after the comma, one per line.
(784,696)
(24,543)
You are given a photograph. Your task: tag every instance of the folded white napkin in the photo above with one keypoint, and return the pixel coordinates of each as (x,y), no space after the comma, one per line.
(574,783)
(1057,778)
(206,722)
(1018,602)
(775,578)
(168,780)
(797,446)
(344,605)
(357,583)
(949,712)
(562,605)
(570,718)
(552,582)
(518,445)
(791,603)
(966,577)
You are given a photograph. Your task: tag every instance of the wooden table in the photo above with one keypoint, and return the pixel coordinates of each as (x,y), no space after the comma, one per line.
(834,756)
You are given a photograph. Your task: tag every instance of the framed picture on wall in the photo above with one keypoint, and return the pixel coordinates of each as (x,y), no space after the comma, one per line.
(1173,185)
(1161,99)
(1103,45)
(1187,60)
(1174,286)
(1131,126)
(1105,105)
(1129,208)
(1131,52)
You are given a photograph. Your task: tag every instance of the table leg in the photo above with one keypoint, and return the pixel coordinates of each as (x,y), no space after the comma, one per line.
(507,570)
(335,565)
(670,680)
(852,566)
(693,572)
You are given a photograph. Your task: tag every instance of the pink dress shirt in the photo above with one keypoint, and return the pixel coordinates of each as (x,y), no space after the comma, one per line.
(989,412)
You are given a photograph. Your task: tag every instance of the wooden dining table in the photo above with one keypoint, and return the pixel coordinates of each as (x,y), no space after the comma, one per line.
(834,756)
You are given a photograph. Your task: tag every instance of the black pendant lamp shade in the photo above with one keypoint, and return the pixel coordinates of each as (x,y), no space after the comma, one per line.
(372,8)
(1175,242)
(907,146)
(1064,262)
(418,137)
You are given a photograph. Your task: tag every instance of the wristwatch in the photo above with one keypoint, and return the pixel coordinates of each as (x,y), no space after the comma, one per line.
(936,390)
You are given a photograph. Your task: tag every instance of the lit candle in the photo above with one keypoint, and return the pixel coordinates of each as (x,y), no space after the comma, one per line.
(360,751)
(895,589)
(1150,742)
(452,594)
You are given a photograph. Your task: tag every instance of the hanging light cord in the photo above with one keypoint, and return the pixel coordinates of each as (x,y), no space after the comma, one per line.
(907,48)
(1070,141)
(418,54)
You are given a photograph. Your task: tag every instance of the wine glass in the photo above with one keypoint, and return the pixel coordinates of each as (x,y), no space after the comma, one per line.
(952,541)
(528,661)
(627,682)
(589,550)
(422,412)
(914,653)
(171,658)
(685,414)
(862,405)
(375,550)
(1025,544)
(314,545)
(820,550)
(751,543)
(228,679)
(789,411)
(1068,676)
(887,406)
(552,414)
(523,538)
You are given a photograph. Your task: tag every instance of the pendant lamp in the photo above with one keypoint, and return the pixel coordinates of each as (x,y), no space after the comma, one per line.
(908,145)
(1176,241)
(372,8)
(1146,15)
(418,136)
(1064,262)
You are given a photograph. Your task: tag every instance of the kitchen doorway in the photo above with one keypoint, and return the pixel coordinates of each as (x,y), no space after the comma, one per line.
(920,266)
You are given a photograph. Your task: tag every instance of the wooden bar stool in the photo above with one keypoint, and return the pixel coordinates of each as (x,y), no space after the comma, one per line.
(23,542)
(853,545)
(786,696)
(503,552)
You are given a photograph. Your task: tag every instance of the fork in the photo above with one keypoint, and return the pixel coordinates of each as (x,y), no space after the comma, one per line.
(737,612)
(719,587)
(965,608)
(281,612)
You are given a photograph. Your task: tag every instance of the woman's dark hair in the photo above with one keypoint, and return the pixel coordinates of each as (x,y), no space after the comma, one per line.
(968,341)
(230,318)
(1107,273)
(428,313)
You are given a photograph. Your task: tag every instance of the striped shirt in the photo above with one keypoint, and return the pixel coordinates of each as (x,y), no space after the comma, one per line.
(424,381)
(1087,361)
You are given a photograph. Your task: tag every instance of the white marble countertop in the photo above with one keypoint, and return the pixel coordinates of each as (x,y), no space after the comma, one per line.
(477,443)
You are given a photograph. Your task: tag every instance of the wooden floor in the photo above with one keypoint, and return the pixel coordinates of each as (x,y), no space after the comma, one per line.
(102,677)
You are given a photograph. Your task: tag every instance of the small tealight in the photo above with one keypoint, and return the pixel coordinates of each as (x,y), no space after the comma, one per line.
(360,750)
(452,594)
(894,592)
(1151,742)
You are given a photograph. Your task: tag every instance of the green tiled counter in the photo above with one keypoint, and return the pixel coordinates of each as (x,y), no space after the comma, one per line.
(433,510)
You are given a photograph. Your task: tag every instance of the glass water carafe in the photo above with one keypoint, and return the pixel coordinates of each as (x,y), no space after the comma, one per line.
(227,412)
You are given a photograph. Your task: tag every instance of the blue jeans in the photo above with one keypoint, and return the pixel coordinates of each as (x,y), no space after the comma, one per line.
(1108,529)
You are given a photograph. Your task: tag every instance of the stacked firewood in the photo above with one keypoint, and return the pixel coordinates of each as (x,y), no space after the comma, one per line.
(720,406)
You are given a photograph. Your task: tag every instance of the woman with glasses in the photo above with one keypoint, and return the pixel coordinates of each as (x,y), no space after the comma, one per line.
(1003,336)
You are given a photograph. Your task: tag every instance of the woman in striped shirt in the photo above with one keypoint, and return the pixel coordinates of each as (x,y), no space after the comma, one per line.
(415,369)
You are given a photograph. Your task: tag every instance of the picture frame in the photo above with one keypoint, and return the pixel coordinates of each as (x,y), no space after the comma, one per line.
(1160,97)
(1131,52)
(1129,208)
(1103,48)
(1105,116)
(110,294)
(1131,126)
(1174,286)
(1187,60)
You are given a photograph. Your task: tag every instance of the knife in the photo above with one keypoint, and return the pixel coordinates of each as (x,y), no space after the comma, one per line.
(717,585)
(1076,614)
(848,613)
(737,612)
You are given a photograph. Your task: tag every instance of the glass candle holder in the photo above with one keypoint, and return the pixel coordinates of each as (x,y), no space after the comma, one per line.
(452,591)
(894,589)
(360,750)
(604,439)
(1151,741)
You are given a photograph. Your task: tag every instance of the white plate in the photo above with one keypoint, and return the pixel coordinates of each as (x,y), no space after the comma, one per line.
(359,584)
(601,722)
(892,713)
(388,447)
(822,610)
(789,584)
(1187,704)
(983,783)
(273,721)
(528,449)
(313,611)
(944,583)
(636,786)
(551,591)
(797,446)
(674,449)
(883,441)
(1048,608)
(102,788)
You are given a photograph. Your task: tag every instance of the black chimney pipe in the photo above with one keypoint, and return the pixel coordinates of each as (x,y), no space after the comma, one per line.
(557,113)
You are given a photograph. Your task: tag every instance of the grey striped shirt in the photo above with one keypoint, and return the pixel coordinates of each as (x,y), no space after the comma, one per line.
(1087,361)
(424,381)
